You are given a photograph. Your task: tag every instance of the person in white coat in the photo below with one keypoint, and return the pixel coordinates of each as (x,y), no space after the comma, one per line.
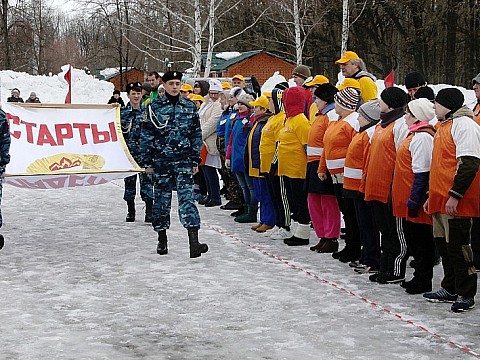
(209,114)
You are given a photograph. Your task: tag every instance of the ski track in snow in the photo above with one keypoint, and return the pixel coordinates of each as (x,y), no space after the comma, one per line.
(79,283)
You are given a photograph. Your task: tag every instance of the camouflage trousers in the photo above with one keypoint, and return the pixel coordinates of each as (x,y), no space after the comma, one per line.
(234,191)
(146,187)
(165,178)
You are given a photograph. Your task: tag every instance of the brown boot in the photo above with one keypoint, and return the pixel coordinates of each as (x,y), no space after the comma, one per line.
(330,246)
(263,228)
(319,245)
(256,226)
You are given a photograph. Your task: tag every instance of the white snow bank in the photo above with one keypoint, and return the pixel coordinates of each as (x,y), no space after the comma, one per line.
(228,55)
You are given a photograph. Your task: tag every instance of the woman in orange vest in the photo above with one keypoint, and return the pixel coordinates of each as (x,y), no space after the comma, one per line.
(409,192)
(388,135)
(368,117)
(322,203)
(337,137)
(454,194)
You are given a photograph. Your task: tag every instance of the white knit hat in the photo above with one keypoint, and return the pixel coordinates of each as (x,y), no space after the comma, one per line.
(215,85)
(422,109)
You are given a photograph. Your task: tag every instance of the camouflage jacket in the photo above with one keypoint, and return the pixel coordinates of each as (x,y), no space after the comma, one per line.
(172,133)
(4,142)
(133,121)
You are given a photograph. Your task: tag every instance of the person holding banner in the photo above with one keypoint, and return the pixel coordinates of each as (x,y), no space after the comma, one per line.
(171,146)
(4,159)
(132,119)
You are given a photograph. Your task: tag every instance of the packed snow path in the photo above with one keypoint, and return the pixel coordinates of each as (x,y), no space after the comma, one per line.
(77,282)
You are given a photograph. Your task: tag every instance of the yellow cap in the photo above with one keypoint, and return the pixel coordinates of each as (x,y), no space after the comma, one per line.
(186,87)
(349,83)
(226,85)
(268,94)
(347,56)
(261,101)
(317,80)
(196,97)
(239,77)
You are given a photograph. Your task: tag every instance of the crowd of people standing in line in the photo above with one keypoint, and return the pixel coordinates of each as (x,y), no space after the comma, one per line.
(400,167)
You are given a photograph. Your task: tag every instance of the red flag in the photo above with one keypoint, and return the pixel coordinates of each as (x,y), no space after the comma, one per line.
(389,80)
(68,79)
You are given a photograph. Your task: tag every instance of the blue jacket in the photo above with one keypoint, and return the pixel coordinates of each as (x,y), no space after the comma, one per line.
(132,121)
(171,134)
(240,130)
(225,121)
(5,141)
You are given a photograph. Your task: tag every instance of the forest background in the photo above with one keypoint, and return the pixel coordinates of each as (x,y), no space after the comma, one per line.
(439,38)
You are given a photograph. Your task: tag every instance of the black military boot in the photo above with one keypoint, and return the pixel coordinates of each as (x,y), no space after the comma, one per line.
(162,243)
(196,249)
(148,211)
(2,241)
(131,211)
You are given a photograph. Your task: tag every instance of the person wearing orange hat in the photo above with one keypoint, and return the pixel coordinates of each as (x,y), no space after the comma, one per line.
(238,81)
(353,67)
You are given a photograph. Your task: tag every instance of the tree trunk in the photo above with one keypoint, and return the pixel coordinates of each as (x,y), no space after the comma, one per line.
(345,25)
(211,37)
(197,40)
(298,34)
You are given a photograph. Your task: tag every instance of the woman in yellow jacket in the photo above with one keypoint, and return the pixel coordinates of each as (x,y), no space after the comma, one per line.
(292,162)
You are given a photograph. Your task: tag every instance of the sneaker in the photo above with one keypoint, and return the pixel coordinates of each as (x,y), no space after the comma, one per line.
(366,270)
(441,295)
(281,234)
(390,279)
(271,231)
(463,303)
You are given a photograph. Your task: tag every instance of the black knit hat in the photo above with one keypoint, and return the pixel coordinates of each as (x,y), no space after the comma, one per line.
(425,92)
(116,92)
(172,75)
(451,98)
(133,86)
(326,92)
(394,97)
(414,79)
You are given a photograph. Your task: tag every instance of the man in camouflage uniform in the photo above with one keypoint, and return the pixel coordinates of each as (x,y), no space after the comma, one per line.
(4,159)
(171,152)
(132,118)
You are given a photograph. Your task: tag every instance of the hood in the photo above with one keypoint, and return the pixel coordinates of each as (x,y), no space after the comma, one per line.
(463,111)
(294,100)
(363,73)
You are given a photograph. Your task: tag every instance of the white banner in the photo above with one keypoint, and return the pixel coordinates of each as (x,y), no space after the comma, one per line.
(59,146)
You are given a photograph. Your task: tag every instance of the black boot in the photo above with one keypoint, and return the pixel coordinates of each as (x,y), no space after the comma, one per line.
(131,211)
(162,243)
(196,249)
(148,211)
(2,241)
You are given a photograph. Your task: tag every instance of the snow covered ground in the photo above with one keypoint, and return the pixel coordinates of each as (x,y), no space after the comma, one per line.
(78,282)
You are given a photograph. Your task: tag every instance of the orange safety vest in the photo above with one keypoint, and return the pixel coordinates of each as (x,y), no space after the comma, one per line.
(355,161)
(338,136)
(315,137)
(380,164)
(442,173)
(403,182)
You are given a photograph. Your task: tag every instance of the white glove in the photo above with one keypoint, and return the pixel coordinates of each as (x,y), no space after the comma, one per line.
(227,163)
